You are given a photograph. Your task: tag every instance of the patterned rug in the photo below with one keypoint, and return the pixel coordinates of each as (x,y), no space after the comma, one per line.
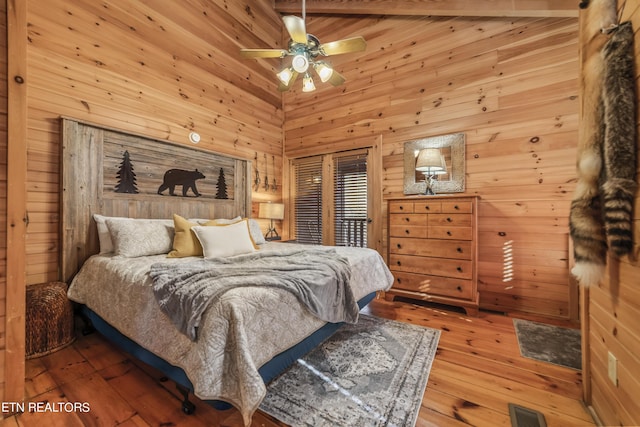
(549,343)
(370,374)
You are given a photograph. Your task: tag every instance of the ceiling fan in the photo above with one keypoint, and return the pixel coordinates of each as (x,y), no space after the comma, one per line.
(305,50)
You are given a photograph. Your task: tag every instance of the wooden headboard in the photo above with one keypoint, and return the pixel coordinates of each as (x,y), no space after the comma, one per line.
(113,173)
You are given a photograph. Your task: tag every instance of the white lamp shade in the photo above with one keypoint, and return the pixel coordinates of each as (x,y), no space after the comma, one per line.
(430,161)
(271,210)
(285,76)
(307,84)
(324,71)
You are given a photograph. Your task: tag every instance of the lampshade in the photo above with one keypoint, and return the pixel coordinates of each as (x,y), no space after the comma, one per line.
(271,210)
(430,160)
(285,76)
(324,71)
(307,83)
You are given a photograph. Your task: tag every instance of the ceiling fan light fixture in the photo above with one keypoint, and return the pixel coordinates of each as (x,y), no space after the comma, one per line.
(285,76)
(300,63)
(307,83)
(324,71)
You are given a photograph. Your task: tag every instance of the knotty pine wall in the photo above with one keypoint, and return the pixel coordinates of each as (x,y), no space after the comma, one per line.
(614,310)
(3,188)
(511,85)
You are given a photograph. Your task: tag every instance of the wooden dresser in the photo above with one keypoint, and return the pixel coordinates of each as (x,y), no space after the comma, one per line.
(433,249)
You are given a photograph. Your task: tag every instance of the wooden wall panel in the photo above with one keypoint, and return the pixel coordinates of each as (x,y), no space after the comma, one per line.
(3,191)
(510,84)
(149,68)
(613,312)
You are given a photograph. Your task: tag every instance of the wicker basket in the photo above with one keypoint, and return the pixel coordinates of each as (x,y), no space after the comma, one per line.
(49,319)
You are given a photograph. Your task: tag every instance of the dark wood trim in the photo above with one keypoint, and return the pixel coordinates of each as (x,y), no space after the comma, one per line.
(515,8)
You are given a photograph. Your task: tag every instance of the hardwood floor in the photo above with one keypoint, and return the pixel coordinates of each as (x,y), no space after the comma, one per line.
(478,370)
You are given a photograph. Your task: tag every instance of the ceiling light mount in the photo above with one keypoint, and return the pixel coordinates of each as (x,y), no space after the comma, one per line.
(300,63)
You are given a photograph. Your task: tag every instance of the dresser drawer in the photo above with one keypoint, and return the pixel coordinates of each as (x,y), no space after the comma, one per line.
(450,220)
(400,207)
(461,269)
(434,285)
(427,207)
(408,231)
(456,233)
(408,219)
(457,206)
(457,249)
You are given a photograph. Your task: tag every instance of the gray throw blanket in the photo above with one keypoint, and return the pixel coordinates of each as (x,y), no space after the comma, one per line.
(319,278)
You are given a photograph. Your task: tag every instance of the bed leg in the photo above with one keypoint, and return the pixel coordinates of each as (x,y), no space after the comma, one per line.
(187,406)
(88,325)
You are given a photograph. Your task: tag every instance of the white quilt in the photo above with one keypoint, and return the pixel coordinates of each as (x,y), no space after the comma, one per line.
(238,334)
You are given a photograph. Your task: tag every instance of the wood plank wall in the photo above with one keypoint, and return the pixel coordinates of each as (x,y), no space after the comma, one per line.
(150,68)
(614,309)
(3,188)
(510,84)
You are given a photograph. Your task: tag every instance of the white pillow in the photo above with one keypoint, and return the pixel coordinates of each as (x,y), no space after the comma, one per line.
(254,227)
(256,233)
(224,240)
(140,237)
(104,237)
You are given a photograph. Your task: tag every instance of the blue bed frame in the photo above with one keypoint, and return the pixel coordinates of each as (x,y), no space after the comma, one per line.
(268,371)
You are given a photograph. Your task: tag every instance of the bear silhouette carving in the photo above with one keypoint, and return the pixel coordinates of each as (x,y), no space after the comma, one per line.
(187,179)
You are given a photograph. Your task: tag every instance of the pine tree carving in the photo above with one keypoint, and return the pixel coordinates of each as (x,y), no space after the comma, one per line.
(126,176)
(222,186)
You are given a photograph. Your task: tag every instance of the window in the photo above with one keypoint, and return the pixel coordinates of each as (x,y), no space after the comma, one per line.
(308,200)
(350,200)
(330,198)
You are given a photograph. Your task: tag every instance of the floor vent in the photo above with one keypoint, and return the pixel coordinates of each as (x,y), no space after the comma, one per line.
(525,417)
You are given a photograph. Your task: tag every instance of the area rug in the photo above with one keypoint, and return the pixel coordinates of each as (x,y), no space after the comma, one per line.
(373,373)
(549,343)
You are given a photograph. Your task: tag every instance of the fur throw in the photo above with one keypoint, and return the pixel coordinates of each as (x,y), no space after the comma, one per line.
(602,208)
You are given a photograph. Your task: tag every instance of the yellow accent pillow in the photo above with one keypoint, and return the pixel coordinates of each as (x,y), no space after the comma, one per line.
(185,242)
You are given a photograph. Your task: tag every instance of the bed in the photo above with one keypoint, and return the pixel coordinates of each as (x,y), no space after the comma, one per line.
(246,336)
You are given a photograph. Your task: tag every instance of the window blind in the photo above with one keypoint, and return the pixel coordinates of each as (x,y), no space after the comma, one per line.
(308,200)
(350,199)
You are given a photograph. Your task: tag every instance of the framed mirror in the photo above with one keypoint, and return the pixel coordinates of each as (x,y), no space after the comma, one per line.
(447,177)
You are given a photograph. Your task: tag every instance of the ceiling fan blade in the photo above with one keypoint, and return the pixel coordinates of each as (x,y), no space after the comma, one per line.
(336,78)
(296,28)
(263,53)
(353,44)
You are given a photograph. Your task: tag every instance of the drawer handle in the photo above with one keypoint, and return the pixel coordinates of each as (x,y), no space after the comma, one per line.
(427,207)
(407,219)
(459,250)
(459,288)
(401,207)
(407,231)
(399,246)
(399,280)
(448,233)
(398,262)
(459,269)
(456,207)
(449,219)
